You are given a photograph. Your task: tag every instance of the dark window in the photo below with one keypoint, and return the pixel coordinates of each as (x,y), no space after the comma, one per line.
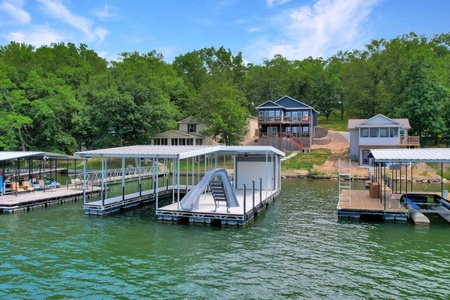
(192,128)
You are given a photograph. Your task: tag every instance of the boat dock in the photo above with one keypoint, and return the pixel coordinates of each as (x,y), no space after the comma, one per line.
(25,201)
(201,192)
(362,206)
(207,212)
(386,199)
(114,204)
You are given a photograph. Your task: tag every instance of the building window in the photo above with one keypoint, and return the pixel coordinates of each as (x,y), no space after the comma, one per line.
(393,132)
(384,132)
(182,142)
(373,132)
(190,142)
(174,142)
(199,142)
(192,128)
(364,132)
(164,142)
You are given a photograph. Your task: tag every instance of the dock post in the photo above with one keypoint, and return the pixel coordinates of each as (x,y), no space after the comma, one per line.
(260,191)
(253,195)
(245,199)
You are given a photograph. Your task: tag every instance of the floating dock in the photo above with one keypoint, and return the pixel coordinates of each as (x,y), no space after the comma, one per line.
(202,192)
(361,206)
(26,201)
(207,212)
(386,199)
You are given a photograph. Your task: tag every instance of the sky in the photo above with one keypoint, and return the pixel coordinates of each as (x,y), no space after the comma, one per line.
(296,29)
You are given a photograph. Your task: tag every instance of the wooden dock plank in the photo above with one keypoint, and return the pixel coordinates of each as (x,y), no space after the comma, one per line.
(361,200)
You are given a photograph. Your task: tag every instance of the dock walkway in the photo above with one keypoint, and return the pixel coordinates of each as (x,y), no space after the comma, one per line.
(250,204)
(42,198)
(361,206)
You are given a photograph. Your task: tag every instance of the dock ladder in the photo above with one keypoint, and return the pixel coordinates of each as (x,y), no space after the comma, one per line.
(218,193)
(345,185)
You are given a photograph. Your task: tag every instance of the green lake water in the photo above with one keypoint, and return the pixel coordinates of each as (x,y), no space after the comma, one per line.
(296,249)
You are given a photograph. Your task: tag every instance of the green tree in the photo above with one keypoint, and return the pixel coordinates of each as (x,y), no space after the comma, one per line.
(222,108)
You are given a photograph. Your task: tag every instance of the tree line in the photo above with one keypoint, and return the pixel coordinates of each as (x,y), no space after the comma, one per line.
(63,98)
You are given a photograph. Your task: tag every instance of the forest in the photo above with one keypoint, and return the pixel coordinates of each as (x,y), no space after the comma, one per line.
(63,97)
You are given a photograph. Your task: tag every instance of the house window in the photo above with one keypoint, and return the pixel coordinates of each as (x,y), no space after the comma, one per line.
(174,142)
(364,132)
(199,142)
(190,142)
(373,132)
(182,142)
(192,128)
(393,132)
(305,131)
(261,115)
(384,132)
(305,116)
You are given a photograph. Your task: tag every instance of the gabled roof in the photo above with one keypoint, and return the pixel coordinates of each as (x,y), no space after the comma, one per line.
(178,133)
(268,104)
(378,121)
(190,120)
(287,103)
(291,103)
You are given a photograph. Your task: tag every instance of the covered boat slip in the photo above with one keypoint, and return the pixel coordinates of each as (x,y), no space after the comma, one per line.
(23,181)
(391,194)
(201,180)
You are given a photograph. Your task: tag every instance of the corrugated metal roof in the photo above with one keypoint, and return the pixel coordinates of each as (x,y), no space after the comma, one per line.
(412,155)
(11,155)
(177,152)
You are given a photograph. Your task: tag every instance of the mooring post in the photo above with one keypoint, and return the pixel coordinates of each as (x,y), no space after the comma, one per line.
(245,196)
(253,195)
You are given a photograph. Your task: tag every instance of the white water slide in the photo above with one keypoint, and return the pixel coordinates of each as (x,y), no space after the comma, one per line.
(190,201)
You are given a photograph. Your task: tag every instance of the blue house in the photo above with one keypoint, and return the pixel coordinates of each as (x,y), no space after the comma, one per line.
(286,124)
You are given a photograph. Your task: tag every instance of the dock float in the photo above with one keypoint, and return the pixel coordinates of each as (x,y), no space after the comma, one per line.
(26,201)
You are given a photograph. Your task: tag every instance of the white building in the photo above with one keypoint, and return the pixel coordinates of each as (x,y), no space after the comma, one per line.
(378,132)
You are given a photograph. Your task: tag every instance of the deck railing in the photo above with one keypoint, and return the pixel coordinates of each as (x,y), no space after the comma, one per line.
(410,140)
(283,119)
(286,144)
(284,134)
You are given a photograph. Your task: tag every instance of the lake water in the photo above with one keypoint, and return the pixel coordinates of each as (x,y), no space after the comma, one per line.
(295,249)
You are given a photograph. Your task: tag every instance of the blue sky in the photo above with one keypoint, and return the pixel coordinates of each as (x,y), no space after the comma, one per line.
(259,29)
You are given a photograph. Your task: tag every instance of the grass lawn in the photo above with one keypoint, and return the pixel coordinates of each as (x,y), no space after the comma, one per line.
(334,122)
(305,161)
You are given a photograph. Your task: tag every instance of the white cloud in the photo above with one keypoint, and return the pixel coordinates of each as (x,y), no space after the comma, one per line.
(38,36)
(108,12)
(317,30)
(272,3)
(254,29)
(21,16)
(104,13)
(56,9)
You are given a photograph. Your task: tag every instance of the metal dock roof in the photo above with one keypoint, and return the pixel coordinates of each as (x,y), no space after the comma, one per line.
(411,155)
(178,152)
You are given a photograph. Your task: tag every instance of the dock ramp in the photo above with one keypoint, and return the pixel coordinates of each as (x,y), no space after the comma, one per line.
(190,201)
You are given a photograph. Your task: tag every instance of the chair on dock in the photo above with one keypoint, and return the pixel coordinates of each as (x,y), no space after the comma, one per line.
(77,183)
(16,188)
(26,186)
(218,193)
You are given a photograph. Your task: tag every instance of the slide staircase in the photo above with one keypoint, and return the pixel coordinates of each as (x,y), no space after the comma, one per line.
(218,192)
